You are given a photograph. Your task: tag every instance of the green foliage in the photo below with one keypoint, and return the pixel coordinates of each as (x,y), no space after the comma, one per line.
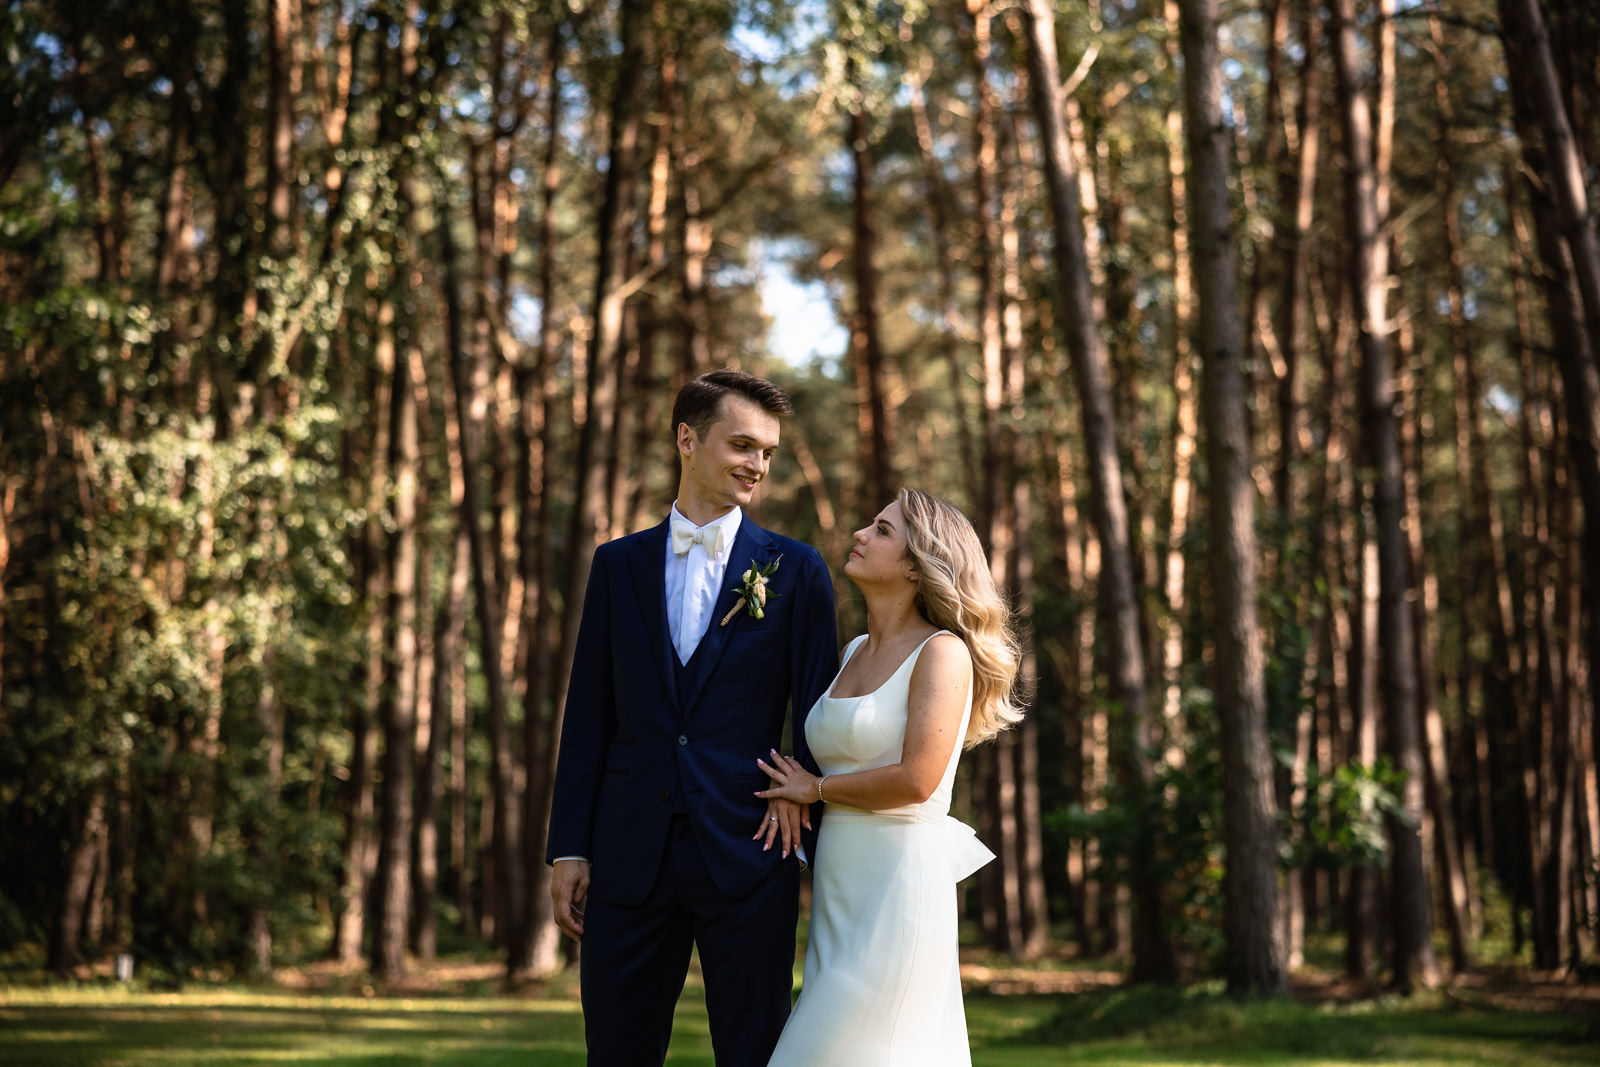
(1178,818)
(1341,823)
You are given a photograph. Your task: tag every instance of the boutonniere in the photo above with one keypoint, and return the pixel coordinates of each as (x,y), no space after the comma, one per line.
(753,593)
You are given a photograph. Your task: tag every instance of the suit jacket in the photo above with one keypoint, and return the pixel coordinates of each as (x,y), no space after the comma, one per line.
(633,731)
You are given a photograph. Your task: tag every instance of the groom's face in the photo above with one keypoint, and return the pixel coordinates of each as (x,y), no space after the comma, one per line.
(722,469)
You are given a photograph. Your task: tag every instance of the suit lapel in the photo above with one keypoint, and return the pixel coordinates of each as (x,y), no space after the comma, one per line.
(750,543)
(648,567)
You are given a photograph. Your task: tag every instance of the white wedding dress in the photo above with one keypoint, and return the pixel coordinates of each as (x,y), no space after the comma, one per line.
(882,986)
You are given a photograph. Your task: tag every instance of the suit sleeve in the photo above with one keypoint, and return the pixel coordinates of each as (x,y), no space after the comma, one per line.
(587,724)
(814,649)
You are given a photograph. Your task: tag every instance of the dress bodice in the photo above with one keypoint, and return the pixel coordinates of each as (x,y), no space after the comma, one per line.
(864,732)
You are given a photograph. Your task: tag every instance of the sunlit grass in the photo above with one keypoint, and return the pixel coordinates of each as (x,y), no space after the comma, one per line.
(105,1025)
(1113,1027)
(182,1029)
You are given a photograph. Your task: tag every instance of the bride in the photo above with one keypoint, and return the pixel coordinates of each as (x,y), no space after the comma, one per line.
(937,666)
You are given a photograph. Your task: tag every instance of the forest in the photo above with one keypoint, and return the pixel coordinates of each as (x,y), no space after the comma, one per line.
(1260,339)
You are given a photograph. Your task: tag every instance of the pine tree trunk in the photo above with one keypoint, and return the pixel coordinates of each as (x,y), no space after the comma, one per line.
(1063,577)
(695,240)
(536,390)
(939,208)
(450,672)
(589,525)
(1296,191)
(649,385)
(66,931)
(1527,44)
(1575,354)
(1560,859)
(866,346)
(1555,170)
(1033,918)
(428,742)
(1438,828)
(504,838)
(359,853)
(1361,904)
(1413,961)
(1153,955)
(1255,956)
(397,708)
(1185,422)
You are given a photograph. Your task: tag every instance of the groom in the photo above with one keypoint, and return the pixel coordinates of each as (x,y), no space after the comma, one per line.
(657,839)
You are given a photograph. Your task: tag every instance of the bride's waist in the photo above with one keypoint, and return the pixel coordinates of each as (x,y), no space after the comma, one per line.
(906,813)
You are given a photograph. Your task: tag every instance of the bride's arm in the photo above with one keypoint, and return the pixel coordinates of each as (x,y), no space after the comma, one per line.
(935,703)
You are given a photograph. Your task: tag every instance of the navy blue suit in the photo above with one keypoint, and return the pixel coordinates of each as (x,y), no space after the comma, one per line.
(655,786)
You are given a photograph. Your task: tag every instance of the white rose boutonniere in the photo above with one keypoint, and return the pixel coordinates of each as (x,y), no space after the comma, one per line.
(753,593)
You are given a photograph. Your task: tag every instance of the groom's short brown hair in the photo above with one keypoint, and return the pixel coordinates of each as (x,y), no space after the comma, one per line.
(700,397)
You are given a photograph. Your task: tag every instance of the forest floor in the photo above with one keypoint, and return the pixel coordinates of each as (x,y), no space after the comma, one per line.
(1062,1011)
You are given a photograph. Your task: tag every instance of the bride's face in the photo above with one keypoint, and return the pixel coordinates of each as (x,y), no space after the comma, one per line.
(879,551)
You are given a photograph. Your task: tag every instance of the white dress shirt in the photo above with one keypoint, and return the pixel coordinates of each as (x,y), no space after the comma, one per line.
(695,578)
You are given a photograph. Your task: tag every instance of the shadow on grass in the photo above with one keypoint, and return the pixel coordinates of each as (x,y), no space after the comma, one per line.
(44,1028)
(1114,1027)
(1201,1025)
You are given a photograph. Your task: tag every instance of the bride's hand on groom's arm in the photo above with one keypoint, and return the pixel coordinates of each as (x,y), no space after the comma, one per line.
(790,780)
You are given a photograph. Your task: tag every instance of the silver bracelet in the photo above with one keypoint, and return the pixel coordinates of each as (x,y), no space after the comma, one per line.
(824,778)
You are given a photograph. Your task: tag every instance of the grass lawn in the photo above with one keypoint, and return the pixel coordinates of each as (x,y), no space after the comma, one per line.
(102,1025)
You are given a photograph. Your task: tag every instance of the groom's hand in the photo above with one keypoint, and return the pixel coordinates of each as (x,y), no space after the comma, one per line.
(569,886)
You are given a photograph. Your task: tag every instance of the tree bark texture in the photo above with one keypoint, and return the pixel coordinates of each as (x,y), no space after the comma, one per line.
(866,344)
(1413,961)
(1153,955)
(1255,955)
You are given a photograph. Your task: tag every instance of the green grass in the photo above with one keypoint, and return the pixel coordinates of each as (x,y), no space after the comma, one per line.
(1199,1026)
(106,1026)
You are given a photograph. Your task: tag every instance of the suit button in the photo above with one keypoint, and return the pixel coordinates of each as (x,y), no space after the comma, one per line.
(682,740)
(665,795)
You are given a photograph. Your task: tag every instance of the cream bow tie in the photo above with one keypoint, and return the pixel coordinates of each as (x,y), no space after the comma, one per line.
(685,537)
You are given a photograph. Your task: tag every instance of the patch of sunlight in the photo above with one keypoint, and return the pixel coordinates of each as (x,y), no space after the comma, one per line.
(28,1037)
(66,997)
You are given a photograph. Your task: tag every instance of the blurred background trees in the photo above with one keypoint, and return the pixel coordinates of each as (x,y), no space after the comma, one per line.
(1258,340)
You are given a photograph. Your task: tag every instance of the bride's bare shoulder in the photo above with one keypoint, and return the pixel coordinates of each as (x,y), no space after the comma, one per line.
(944,659)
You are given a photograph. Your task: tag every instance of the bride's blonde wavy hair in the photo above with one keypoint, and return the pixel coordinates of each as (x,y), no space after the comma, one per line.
(956,592)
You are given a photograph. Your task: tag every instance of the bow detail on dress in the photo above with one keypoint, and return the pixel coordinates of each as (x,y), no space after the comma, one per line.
(961,845)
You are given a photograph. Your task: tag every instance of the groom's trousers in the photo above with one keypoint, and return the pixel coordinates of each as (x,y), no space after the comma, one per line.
(635,960)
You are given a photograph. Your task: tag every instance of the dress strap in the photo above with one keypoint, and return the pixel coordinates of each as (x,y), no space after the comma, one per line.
(850,649)
(909,663)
